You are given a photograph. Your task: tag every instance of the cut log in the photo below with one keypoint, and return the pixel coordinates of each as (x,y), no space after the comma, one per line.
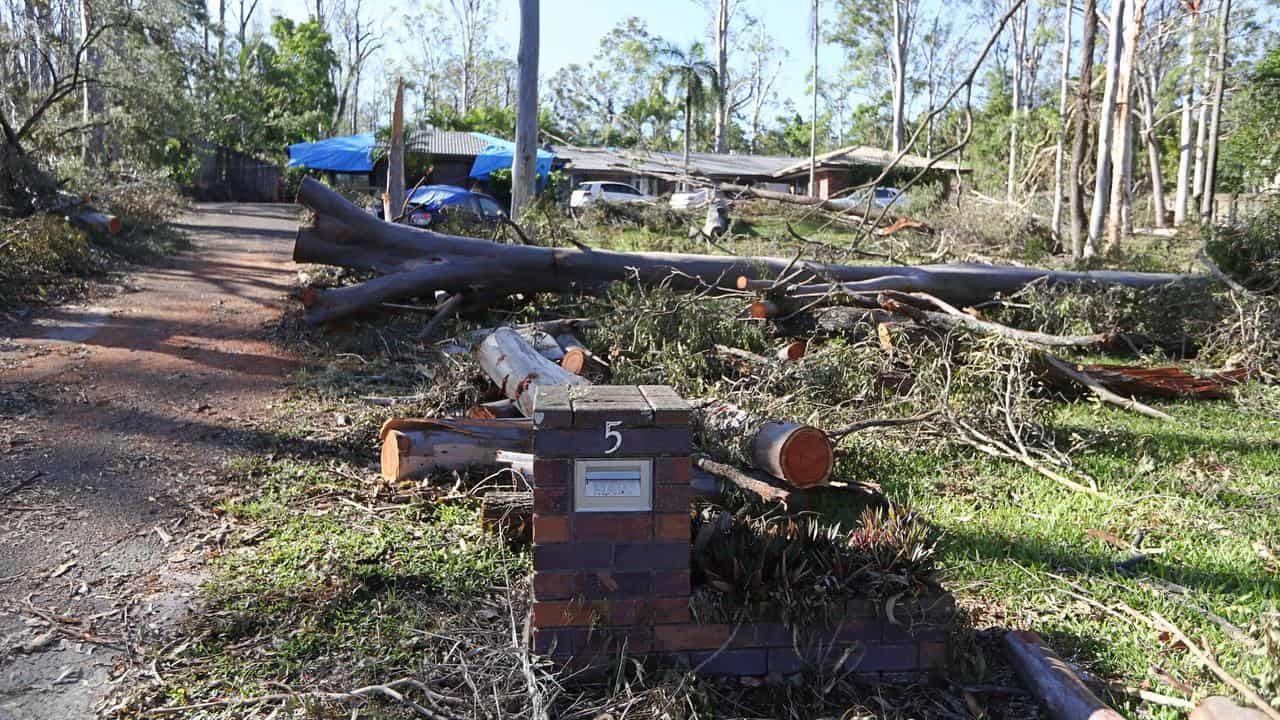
(792,351)
(87,218)
(412,448)
(518,370)
(1052,681)
(800,455)
(416,262)
(575,355)
(508,513)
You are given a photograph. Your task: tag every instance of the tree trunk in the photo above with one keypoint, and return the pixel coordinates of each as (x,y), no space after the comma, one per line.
(418,262)
(1148,99)
(901,36)
(1106,130)
(1059,151)
(411,448)
(1183,196)
(518,369)
(799,455)
(95,133)
(395,157)
(723,101)
(1122,141)
(1215,124)
(524,172)
(575,355)
(1202,129)
(1052,681)
(813,121)
(1019,50)
(1080,132)
(688,120)
(509,514)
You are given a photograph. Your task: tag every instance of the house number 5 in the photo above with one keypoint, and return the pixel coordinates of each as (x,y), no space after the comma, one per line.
(614,435)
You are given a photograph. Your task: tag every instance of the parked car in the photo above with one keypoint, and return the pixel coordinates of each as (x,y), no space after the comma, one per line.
(431,205)
(597,190)
(881,197)
(689,199)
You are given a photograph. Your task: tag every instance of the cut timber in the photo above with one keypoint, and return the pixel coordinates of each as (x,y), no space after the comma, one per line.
(412,448)
(87,218)
(800,455)
(510,514)
(1052,681)
(518,370)
(414,262)
(792,351)
(575,355)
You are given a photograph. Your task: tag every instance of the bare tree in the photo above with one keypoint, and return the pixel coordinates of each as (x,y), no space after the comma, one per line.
(767,60)
(813,121)
(904,20)
(1018,62)
(1215,124)
(244,19)
(1064,92)
(95,134)
(1185,131)
(1080,132)
(1106,130)
(524,172)
(1119,214)
(474,18)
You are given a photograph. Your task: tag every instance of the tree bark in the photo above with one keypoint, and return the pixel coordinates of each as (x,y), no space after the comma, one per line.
(1064,92)
(416,262)
(518,370)
(813,121)
(1052,681)
(1185,132)
(1106,130)
(95,133)
(509,514)
(1019,50)
(799,455)
(1080,132)
(902,21)
(524,171)
(1148,100)
(395,158)
(1215,124)
(411,448)
(1122,140)
(723,100)
(1202,129)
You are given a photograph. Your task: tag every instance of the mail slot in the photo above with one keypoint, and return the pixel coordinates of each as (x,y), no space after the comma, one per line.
(601,485)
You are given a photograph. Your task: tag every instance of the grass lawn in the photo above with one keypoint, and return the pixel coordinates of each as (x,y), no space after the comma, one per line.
(327,578)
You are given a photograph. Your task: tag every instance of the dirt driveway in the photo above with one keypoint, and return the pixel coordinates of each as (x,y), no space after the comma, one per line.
(114,419)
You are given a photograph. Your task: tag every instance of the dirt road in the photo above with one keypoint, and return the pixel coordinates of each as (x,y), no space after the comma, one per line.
(114,419)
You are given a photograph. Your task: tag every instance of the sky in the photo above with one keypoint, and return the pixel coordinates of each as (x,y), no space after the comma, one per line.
(571,31)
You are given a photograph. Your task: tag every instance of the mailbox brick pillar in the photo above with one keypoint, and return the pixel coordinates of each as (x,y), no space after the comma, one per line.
(611,519)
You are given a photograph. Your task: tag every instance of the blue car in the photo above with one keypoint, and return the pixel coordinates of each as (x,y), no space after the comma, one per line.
(431,205)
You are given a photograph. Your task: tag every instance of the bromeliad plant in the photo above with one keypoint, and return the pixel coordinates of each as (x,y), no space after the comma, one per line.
(795,568)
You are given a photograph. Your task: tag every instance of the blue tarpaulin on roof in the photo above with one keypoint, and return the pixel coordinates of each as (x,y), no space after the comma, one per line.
(500,154)
(349,154)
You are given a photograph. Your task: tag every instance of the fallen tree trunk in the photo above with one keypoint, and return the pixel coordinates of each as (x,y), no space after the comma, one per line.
(518,370)
(800,455)
(509,514)
(1052,681)
(761,489)
(416,262)
(87,218)
(412,448)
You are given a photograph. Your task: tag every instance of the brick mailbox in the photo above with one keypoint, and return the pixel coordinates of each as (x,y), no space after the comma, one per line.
(611,518)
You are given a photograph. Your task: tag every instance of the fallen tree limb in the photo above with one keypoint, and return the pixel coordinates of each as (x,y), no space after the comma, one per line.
(879,422)
(1098,389)
(415,262)
(1052,681)
(958,319)
(759,488)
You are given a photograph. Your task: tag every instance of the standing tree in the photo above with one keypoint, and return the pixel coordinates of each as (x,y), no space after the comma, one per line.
(1080,132)
(1019,63)
(687,73)
(524,171)
(1106,127)
(813,120)
(767,60)
(1119,212)
(1064,92)
(1215,124)
(1182,198)
(876,33)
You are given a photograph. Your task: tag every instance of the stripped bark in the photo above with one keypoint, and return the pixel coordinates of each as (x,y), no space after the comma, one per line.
(518,369)
(412,448)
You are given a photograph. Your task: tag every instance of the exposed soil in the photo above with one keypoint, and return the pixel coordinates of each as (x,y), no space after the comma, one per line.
(115,419)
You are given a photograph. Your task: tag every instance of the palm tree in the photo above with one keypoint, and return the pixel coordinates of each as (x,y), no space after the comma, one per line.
(689,71)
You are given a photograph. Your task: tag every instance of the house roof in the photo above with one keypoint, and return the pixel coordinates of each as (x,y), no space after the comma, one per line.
(866,156)
(716,165)
(433,141)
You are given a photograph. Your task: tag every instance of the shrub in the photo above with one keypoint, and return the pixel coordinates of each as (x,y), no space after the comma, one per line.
(1250,252)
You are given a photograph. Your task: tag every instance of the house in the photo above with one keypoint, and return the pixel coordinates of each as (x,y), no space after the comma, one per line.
(855,165)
